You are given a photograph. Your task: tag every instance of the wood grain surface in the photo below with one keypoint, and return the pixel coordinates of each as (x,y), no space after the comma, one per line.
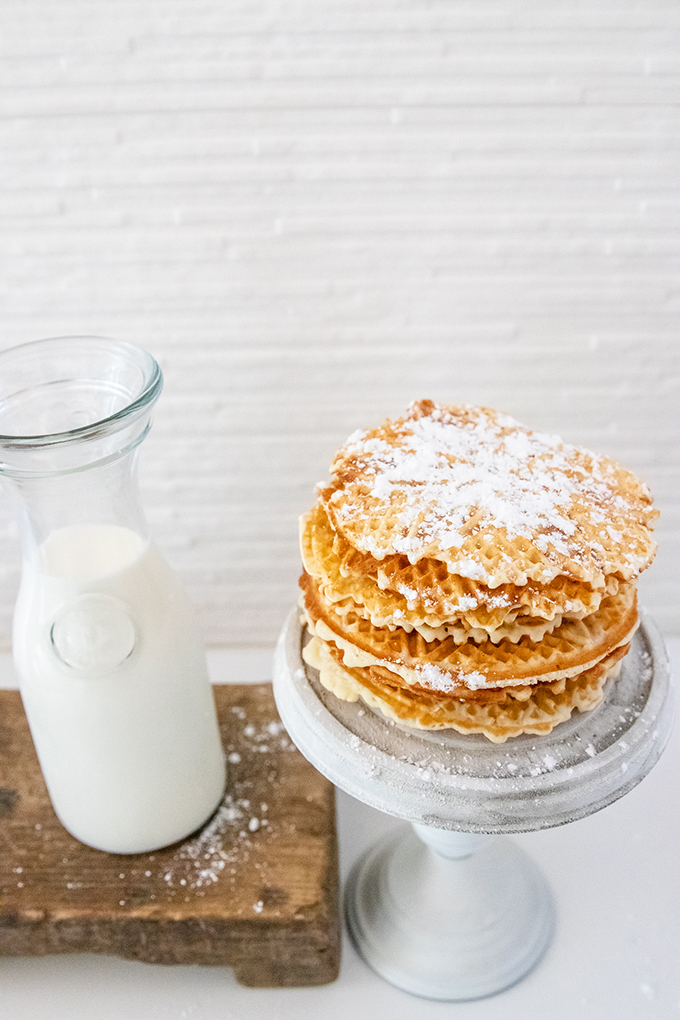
(255,889)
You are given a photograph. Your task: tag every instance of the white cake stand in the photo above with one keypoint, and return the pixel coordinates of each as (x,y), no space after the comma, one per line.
(448,909)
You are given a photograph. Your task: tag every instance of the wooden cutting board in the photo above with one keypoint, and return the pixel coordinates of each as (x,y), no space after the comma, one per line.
(256,889)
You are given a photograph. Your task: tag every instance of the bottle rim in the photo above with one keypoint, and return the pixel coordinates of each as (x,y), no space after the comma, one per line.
(149,391)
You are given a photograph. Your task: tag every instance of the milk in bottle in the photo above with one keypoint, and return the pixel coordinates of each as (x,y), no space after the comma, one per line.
(111,666)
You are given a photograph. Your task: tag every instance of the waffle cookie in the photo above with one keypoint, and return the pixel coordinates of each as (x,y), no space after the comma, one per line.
(462,571)
(536,709)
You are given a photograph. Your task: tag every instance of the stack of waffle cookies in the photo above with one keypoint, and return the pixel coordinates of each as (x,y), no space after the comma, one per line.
(461,571)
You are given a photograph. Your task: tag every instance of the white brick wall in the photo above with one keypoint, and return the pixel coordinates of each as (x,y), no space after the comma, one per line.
(312,212)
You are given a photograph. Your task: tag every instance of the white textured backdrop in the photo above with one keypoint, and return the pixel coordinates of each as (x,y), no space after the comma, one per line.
(313,212)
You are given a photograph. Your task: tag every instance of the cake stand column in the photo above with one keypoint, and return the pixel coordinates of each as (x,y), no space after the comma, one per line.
(448,915)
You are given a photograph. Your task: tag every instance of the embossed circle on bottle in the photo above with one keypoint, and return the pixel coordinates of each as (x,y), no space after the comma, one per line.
(93,634)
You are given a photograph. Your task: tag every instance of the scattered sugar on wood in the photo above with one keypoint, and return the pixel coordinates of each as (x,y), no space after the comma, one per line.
(226,839)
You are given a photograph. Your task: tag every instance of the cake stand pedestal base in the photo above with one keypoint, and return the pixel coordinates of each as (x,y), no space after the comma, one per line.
(450,909)
(448,915)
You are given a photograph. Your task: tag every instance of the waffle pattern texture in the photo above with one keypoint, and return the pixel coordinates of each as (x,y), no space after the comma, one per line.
(463,571)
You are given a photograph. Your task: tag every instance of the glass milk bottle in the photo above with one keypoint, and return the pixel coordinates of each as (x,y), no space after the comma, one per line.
(111,667)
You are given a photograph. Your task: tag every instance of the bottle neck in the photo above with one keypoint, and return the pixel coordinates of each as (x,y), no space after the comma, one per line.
(103,494)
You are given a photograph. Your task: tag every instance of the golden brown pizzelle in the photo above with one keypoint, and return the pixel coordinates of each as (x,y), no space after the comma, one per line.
(394,592)
(544,706)
(493,500)
(459,565)
(576,645)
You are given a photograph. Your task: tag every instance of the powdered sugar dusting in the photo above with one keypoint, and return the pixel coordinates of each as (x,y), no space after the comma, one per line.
(449,474)
(436,679)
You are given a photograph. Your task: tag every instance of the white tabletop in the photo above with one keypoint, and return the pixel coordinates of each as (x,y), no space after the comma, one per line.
(616,955)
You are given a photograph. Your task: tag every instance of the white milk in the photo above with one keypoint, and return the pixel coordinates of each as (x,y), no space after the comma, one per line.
(115,686)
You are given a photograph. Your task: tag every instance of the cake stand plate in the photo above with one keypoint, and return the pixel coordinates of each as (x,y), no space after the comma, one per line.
(447,909)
